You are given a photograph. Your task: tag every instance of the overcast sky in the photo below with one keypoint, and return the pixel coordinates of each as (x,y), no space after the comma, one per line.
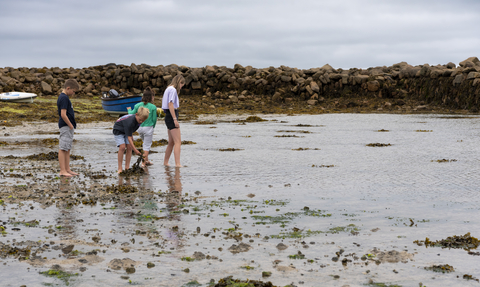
(261,33)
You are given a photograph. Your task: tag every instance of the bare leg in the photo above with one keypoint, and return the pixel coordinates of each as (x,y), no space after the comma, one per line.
(61,160)
(121,150)
(177,140)
(145,156)
(169,149)
(128,156)
(67,164)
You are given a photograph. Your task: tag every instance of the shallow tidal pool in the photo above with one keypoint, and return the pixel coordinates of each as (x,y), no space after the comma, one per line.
(311,200)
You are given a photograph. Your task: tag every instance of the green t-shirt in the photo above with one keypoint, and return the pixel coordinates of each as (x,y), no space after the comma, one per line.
(151,121)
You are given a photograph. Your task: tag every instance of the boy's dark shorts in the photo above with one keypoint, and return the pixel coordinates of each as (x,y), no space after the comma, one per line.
(169,119)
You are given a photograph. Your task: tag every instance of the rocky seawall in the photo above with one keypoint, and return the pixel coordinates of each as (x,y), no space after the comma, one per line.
(450,85)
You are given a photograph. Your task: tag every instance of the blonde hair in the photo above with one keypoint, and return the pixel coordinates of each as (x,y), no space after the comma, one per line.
(177,80)
(143,112)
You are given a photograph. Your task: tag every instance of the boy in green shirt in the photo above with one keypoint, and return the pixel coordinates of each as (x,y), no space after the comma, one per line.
(146,129)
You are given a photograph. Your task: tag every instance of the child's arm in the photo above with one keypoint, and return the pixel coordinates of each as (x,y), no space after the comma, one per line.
(134,111)
(63,114)
(130,142)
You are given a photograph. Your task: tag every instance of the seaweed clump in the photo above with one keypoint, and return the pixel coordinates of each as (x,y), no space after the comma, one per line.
(378,144)
(229,282)
(122,189)
(444,268)
(53,155)
(463,241)
(253,119)
(136,169)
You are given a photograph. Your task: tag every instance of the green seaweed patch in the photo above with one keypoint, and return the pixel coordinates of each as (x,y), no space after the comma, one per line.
(188,259)
(247,267)
(147,217)
(32,223)
(444,268)
(444,160)
(282,219)
(299,255)
(378,144)
(297,233)
(463,241)
(188,142)
(383,131)
(193,283)
(59,274)
(424,131)
(275,202)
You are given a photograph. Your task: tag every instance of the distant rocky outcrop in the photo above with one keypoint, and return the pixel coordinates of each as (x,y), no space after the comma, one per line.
(447,85)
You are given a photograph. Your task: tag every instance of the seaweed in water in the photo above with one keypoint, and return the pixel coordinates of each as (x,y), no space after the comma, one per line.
(378,144)
(228,281)
(136,169)
(445,268)
(121,189)
(463,241)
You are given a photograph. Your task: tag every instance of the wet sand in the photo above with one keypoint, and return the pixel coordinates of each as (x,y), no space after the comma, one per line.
(322,207)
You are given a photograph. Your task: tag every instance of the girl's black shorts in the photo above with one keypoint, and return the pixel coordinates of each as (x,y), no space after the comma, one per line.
(169,119)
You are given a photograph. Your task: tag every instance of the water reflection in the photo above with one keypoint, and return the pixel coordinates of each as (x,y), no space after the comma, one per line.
(66,219)
(173,200)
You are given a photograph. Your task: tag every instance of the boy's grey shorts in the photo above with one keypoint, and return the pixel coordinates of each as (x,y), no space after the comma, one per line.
(66,138)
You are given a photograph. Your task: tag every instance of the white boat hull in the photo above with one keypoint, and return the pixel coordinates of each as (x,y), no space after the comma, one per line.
(17,97)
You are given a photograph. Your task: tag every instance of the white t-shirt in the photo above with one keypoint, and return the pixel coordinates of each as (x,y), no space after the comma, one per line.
(170,95)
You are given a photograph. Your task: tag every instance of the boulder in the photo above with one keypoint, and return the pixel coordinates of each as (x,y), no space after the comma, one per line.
(458,79)
(312,102)
(196,85)
(46,88)
(473,75)
(327,68)
(465,63)
(314,86)
(373,86)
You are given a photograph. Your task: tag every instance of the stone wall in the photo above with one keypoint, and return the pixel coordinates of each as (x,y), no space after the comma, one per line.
(448,85)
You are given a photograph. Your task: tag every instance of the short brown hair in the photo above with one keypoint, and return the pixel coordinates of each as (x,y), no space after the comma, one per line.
(143,112)
(72,84)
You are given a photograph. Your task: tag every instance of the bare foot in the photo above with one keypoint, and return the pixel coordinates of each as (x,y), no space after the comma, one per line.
(119,171)
(166,164)
(72,172)
(148,162)
(66,175)
(178,165)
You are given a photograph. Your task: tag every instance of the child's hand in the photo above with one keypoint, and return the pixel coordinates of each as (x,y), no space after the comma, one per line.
(137,152)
